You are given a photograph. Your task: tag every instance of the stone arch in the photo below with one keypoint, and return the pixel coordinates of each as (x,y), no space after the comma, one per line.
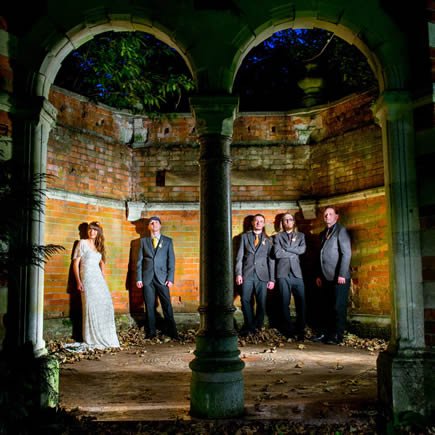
(341,31)
(34,125)
(81,34)
(367,27)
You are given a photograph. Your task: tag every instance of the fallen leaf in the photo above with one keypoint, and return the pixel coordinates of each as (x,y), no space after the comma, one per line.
(338,366)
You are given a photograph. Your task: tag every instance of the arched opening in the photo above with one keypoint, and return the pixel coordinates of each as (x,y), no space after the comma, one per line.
(272,75)
(325,158)
(105,149)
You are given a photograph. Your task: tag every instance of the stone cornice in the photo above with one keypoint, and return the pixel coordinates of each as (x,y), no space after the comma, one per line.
(135,209)
(62,195)
(354,196)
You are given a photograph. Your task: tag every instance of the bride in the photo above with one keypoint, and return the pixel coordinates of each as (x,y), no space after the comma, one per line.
(99,329)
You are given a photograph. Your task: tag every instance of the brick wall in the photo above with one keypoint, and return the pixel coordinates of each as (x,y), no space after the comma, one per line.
(348,163)
(84,163)
(99,154)
(63,219)
(366,222)
(90,153)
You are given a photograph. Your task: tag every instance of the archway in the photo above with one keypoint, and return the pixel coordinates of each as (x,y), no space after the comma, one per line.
(395,117)
(268,83)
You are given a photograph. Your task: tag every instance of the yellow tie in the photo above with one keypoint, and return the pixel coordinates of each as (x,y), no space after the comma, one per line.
(257,240)
(155,241)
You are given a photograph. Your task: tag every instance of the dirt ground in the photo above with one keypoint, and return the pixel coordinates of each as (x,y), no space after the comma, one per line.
(149,381)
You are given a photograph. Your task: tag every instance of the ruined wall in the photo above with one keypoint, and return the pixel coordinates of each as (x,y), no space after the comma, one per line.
(103,158)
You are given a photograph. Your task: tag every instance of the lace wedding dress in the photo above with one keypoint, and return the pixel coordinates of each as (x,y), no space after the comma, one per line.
(99,329)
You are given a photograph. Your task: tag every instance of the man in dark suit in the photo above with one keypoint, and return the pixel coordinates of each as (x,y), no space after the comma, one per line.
(288,245)
(255,272)
(334,278)
(155,274)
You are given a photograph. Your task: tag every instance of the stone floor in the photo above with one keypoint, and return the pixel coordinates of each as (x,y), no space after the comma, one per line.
(308,382)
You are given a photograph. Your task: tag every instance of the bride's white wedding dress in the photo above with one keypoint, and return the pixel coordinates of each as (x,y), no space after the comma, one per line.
(99,329)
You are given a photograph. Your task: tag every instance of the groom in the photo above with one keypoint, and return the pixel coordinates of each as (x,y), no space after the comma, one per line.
(155,274)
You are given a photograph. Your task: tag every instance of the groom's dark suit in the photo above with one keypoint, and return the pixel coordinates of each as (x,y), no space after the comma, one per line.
(154,268)
(158,263)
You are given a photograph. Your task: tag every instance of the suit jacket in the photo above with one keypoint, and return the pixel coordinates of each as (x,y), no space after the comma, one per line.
(335,253)
(252,260)
(286,252)
(158,262)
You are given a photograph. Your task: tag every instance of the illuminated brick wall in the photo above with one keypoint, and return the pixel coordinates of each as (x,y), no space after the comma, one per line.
(100,159)
(63,219)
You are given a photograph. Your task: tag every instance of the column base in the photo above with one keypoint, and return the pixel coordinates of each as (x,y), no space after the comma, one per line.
(49,381)
(217,387)
(405,386)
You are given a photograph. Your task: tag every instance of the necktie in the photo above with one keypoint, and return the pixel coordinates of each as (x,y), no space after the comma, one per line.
(155,241)
(327,235)
(257,240)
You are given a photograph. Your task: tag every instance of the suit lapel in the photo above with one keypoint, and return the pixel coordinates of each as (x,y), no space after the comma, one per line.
(285,238)
(159,245)
(149,242)
(331,234)
(251,238)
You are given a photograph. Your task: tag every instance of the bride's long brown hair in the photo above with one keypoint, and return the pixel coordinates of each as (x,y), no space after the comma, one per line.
(99,240)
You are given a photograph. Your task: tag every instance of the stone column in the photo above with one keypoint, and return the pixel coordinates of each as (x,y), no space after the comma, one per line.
(401,379)
(26,295)
(217,383)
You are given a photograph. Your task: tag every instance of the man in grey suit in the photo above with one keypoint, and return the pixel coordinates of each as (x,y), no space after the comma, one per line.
(334,278)
(155,274)
(287,246)
(255,272)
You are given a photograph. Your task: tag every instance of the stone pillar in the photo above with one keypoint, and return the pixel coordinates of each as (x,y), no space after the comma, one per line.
(217,382)
(26,296)
(401,369)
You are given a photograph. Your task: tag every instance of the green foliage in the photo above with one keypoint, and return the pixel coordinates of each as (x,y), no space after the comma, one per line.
(128,70)
(18,198)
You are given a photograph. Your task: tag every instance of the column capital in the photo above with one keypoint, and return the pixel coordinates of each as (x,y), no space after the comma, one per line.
(392,105)
(214,114)
(35,110)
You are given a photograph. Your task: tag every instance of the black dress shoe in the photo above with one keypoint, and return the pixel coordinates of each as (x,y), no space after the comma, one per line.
(318,338)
